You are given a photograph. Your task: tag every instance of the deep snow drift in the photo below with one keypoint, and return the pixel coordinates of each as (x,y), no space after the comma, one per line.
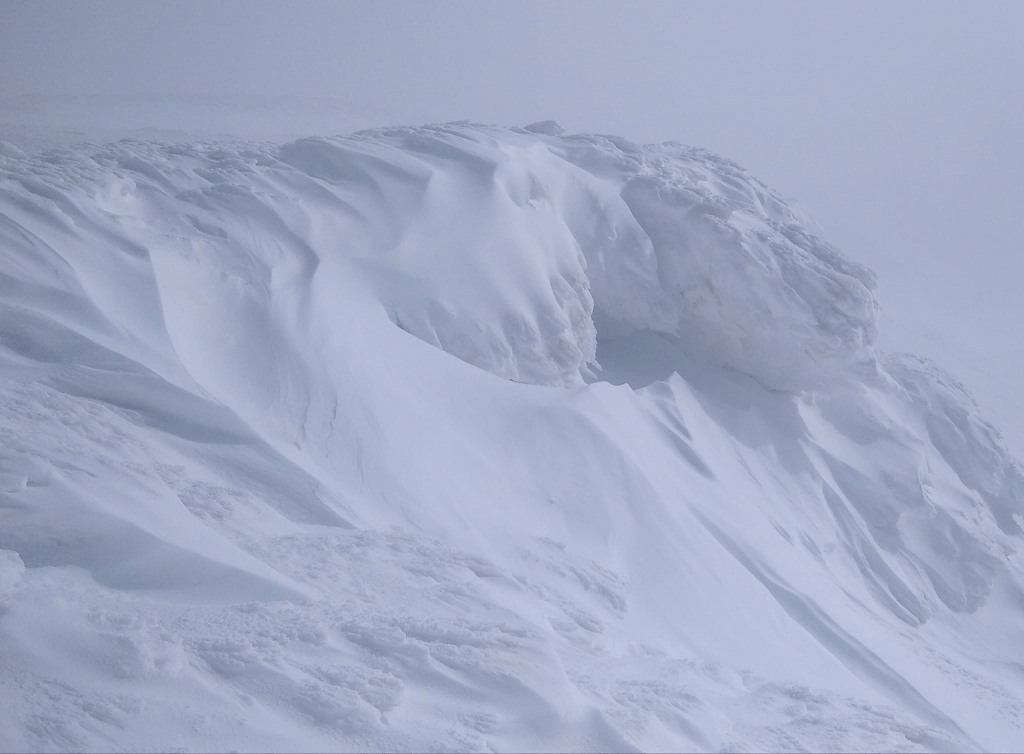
(462,437)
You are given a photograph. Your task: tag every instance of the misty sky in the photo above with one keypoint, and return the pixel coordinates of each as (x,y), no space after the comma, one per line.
(897,125)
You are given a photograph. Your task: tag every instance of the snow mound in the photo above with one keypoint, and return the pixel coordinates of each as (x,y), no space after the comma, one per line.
(720,261)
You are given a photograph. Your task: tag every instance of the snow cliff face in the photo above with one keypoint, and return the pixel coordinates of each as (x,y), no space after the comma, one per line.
(262,484)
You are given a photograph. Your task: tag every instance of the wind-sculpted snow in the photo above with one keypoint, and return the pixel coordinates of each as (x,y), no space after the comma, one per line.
(971,446)
(727,266)
(250,498)
(496,245)
(674,240)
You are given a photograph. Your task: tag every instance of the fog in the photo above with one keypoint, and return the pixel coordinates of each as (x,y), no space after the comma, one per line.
(897,125)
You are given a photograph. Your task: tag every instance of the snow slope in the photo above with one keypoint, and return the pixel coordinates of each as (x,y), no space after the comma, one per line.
(462,437)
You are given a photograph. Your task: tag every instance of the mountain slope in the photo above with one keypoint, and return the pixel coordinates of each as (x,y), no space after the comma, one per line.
(463,437)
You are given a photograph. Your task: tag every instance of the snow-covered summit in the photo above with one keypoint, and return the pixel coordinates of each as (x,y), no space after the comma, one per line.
(250,498)
(500,246)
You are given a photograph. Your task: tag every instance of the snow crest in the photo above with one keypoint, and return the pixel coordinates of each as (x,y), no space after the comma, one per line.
(499,246)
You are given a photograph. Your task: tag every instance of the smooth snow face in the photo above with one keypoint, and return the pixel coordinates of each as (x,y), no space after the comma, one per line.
(462,244)
(242,507)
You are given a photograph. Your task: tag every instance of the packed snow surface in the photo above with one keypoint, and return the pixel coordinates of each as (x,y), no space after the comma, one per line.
(472,438)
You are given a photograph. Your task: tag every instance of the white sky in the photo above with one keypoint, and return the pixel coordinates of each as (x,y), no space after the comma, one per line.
(897,124)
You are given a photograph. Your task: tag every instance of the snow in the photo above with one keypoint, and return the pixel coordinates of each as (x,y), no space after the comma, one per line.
(461,437)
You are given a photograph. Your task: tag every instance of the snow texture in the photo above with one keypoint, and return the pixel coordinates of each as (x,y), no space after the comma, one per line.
(270,478)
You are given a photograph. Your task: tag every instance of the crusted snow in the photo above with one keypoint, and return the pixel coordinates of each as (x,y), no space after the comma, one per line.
(270,479)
